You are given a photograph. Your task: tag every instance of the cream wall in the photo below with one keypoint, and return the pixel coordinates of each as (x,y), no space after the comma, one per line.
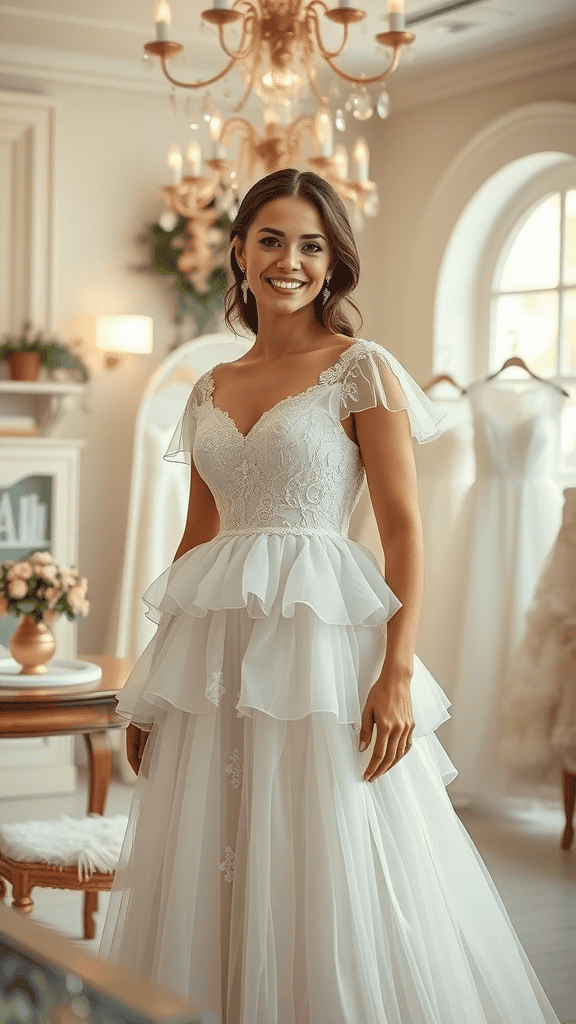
(110,159)
(411,152)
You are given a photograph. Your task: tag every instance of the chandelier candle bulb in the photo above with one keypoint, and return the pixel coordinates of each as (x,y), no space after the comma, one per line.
(361,156)
(396,15)
(175,164)
(341,161)
(218,150)
(194,159)
(163,19)
(323,129)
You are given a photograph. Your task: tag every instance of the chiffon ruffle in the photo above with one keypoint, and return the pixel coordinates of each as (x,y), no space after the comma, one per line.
(319,600)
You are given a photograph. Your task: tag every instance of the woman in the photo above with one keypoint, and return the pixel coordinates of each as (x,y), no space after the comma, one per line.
(292,855)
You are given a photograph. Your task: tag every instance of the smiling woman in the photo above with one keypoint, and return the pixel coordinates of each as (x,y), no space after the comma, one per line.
(317,252)
(292,856)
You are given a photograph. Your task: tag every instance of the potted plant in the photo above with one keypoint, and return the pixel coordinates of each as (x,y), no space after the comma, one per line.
(25,354)
(39,591)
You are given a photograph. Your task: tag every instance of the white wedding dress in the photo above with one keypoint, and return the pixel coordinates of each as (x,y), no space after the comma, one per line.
(539,720)
(445,473)
(261,878)
(507,525)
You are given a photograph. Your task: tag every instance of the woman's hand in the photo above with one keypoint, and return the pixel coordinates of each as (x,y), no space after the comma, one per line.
(135,743)
(389,708)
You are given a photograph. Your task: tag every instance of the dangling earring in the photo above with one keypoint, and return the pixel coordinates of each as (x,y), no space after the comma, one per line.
(244,286)
(326,292)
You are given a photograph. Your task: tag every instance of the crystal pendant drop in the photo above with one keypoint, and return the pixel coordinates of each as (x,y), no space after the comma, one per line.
(383,104)
(361,102)
(340,120)
(207,107)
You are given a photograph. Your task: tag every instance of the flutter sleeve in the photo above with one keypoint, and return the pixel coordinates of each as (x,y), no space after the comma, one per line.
(182,444)
(373,376)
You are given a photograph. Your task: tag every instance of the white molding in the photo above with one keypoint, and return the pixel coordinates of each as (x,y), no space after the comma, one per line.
(27,129)
(530,56)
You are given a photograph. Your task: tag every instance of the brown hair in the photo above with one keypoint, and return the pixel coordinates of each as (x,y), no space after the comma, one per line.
(306,185)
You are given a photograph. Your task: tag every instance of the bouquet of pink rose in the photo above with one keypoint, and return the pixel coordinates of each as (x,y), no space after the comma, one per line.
(38,588)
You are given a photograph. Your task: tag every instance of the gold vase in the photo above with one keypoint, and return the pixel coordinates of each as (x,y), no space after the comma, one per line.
(32,645)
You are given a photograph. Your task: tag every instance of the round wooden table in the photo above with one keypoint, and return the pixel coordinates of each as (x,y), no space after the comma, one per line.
(90,711)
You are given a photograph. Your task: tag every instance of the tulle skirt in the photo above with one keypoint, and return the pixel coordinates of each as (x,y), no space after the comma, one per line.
(261,878)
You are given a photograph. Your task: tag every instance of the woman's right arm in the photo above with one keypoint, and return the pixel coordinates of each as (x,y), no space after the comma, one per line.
(202,519)
(202,524)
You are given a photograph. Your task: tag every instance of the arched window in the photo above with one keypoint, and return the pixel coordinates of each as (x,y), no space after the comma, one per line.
(533,303)
(527,293)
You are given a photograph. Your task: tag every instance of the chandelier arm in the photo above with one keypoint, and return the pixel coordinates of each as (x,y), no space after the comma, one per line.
(194,207)
(240,53)
(196,85)
(323,100)
(301,125)
(237,124)
(366,81)
(327,54)
(249,82)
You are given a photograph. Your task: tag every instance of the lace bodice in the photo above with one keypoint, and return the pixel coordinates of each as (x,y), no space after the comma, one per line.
(297,470)
(516,429)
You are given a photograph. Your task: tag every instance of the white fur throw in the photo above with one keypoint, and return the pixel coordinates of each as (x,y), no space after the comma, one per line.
(93,843)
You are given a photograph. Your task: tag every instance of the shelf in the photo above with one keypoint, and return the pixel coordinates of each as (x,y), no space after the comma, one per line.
(39,404)
(41,387)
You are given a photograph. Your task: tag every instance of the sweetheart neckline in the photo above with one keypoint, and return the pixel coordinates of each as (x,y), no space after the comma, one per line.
(319,383)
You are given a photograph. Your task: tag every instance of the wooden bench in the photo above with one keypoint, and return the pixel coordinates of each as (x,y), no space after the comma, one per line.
(64,854)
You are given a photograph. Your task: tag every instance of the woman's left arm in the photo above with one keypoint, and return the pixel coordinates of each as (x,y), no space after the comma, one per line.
(386,449)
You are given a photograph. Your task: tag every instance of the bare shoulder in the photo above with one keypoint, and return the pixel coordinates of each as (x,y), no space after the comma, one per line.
(337,346)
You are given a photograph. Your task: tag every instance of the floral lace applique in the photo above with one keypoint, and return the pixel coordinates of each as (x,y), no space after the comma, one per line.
(215,689)
(227,865)
(235,768)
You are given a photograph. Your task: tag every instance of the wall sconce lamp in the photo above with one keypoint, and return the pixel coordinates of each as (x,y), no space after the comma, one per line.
(120,334)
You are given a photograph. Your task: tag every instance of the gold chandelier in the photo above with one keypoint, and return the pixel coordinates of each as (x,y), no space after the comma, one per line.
(280,41)
(277,146)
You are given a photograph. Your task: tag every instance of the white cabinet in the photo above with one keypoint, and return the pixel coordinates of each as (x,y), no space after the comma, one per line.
(39,497)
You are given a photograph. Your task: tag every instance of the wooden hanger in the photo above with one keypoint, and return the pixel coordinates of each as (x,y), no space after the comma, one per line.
(518,361)
(183,373)
(439,379)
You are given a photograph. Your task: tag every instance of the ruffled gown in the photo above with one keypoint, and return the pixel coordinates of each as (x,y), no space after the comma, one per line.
(506,528)
(538,734)
(261,878)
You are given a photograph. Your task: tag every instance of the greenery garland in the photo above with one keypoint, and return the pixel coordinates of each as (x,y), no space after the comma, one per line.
(166,247)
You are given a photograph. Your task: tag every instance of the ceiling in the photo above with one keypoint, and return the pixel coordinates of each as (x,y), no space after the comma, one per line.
(106,36)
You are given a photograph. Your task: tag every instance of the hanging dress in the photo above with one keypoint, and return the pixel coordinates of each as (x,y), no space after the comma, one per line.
(507,525)
(445,473)
(261,878)
(539,720)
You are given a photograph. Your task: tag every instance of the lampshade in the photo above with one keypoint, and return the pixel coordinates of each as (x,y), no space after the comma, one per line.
(121,333)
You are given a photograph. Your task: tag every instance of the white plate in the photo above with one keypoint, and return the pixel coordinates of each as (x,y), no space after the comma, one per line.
(61,672)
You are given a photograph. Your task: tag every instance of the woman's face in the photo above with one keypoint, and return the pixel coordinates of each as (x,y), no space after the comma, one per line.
(286,255)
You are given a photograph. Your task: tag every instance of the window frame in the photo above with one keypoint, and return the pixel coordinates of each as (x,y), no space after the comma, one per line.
(555,179)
